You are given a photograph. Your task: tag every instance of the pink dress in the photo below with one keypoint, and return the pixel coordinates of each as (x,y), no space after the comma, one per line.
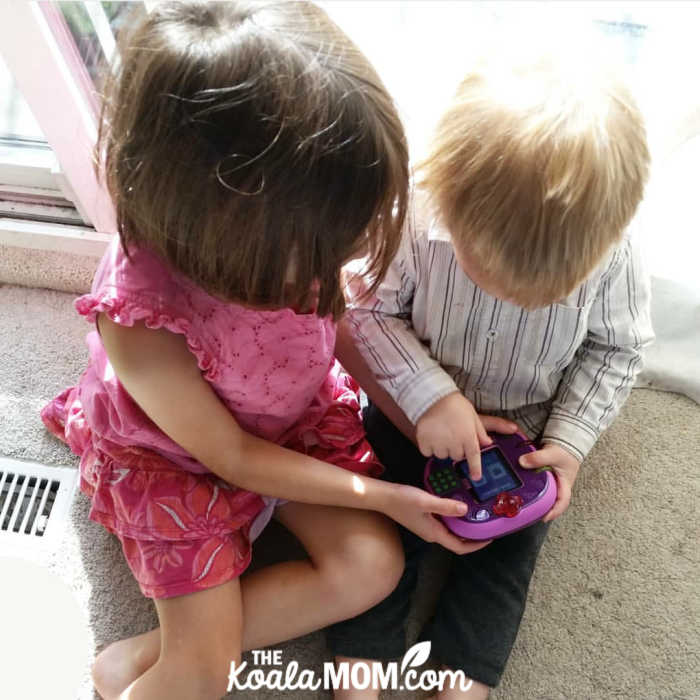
(182,528)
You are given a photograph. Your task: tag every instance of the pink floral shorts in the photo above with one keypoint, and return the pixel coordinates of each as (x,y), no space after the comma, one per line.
(182,531)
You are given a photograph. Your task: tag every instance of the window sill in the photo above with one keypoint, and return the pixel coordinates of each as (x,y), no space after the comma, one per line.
(35,254)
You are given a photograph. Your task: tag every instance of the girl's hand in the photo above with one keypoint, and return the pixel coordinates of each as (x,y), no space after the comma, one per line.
(415,509)
(452,428)
(565,467)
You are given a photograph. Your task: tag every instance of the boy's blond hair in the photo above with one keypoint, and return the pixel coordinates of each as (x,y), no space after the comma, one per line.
(536,169)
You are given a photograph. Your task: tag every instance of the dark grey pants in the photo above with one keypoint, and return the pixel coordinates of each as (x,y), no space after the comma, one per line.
(481,605)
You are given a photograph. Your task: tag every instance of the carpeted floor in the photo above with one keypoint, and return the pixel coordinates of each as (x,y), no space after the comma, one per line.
(614,609)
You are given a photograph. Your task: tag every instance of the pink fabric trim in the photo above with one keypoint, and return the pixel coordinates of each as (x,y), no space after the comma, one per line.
(126,312)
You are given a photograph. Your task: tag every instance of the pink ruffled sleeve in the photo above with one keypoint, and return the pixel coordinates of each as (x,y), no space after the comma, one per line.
(142,288)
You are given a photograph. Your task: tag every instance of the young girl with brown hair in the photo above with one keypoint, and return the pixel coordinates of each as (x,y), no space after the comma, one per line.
(250,151)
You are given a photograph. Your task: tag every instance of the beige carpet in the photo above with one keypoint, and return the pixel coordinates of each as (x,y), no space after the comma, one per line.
(614,608)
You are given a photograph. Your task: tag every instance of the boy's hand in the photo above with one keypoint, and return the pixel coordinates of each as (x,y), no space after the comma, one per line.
(414,509)
(452,428)
(565,467)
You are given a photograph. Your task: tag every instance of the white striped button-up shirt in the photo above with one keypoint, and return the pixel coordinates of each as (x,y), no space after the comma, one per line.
(562,371)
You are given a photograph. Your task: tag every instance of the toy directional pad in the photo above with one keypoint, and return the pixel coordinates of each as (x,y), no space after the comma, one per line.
(443,481)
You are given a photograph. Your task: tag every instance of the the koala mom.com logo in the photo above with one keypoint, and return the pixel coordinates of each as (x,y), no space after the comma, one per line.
(269,672)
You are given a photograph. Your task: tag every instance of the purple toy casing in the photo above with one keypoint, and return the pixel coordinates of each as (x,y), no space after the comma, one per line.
(537,490)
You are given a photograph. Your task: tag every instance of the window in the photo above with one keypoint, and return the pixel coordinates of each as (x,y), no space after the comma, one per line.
(46,163)
(29,187)
(420,49)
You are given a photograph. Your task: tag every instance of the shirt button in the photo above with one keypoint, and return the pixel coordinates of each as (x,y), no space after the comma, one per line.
(492,333)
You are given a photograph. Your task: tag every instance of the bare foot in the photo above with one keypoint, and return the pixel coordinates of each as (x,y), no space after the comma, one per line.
(117,666)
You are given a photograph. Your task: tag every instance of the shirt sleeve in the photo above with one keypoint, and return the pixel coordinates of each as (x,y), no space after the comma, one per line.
(597,382)
(384,334)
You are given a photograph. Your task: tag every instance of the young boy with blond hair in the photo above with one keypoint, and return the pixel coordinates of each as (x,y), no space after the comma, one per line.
(518,292)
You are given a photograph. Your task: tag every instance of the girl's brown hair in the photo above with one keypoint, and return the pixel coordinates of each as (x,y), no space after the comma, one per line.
(254,147)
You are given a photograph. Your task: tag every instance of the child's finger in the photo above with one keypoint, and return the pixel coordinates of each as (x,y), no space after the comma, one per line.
(447,506)
(456,451)
(496,424)
(458,545)
(532,460)
(425,448)
(483,437)
(440,452)
(562,502)
(472,452)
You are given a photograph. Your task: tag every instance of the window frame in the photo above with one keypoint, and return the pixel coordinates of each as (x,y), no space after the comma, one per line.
(62,99)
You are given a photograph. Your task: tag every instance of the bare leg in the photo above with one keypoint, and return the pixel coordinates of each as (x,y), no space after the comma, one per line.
(355,560)
(200,635)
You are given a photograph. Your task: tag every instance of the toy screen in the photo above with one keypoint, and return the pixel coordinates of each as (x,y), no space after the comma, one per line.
(497,475)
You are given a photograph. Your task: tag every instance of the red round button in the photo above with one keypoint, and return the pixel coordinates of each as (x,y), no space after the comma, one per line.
(507,504)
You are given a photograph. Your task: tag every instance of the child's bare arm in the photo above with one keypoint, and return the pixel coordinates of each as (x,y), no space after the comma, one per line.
(162,376)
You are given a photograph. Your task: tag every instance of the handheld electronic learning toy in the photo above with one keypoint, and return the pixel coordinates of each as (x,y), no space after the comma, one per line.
(507,498)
